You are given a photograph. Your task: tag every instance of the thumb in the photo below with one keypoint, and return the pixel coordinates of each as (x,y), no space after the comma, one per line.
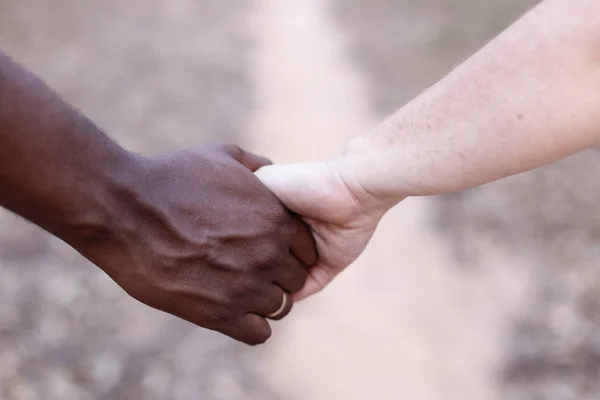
(306,177)
(298,186)
(278,174)
(309,189)
(270,174)
(285,180)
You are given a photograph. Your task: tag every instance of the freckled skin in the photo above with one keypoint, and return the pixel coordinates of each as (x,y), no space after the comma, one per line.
(193,233)
(526,99)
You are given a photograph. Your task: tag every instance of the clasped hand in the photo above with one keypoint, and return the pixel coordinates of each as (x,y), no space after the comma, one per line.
(201,237)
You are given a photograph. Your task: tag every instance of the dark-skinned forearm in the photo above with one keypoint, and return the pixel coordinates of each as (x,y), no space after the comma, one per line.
(57,169)
(193,233)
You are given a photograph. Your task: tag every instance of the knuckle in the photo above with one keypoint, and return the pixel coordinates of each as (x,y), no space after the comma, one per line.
(267,255)
(219,316)
(240,291)
(232,149)
(280,216)
(286,227)
(219,296)
(272,212)
(227,298)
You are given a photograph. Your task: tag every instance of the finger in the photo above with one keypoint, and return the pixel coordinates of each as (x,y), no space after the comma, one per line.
(273,300)
(290,274)
(249,160)
(251,329)
(304,247)
(319,276)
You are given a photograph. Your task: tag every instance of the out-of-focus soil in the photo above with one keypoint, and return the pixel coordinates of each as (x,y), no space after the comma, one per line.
(549,218)
(432,310)
(156,76)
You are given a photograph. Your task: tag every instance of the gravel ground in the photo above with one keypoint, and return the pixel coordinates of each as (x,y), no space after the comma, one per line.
(156,75)
(548,217)
(68,332)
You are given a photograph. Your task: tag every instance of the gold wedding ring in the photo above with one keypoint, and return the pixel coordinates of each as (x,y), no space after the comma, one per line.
(284,305)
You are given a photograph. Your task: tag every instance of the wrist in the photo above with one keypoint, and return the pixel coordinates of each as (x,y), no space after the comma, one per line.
(367,171)
(354,170)
(102,204)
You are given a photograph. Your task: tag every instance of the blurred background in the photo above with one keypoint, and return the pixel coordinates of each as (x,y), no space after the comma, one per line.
(490,293)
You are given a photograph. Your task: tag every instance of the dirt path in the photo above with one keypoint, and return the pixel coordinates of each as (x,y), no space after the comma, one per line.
(405,320)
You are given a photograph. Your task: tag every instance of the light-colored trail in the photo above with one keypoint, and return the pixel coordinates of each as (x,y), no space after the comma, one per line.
(405,321)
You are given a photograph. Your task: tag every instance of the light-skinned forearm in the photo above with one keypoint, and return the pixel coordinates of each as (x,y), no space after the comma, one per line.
(528,98)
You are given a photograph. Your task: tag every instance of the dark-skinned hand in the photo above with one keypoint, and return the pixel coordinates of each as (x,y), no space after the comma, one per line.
(193,233)
(203,239)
